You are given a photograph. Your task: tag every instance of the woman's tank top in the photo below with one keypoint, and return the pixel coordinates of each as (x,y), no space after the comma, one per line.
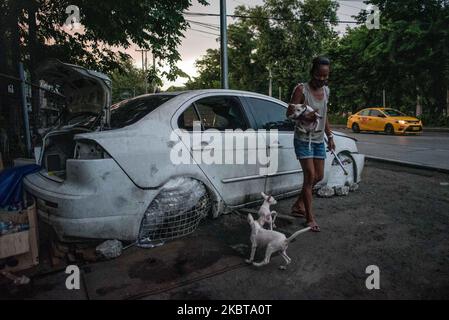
(310,100)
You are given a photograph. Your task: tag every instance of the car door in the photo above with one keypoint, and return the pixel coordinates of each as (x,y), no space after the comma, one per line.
(224,152)
(377,120)
(364,120)
(270,115)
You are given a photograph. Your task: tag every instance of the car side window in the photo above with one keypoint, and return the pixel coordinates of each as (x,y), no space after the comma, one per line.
(364,113)
(185,120)
(269,115)
(221,113)
(374,113)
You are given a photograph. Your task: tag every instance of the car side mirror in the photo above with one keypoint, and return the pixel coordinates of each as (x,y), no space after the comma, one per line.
(381,116)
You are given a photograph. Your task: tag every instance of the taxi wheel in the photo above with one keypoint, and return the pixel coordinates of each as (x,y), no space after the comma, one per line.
(389,129)
(355,127)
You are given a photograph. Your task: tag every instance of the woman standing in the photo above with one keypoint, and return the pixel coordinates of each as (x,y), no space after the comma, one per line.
(310,149)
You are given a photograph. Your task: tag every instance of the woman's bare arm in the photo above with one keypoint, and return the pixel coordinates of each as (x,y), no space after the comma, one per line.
(328,131)
(297,98)
(327,128)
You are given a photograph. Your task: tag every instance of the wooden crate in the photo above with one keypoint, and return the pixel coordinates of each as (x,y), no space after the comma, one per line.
(24,245)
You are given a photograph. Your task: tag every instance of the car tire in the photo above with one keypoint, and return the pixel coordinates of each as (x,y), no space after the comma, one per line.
(389,129)
(355,127)
(175,212)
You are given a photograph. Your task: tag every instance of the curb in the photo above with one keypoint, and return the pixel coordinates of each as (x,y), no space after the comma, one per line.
(407,164)
(445,130)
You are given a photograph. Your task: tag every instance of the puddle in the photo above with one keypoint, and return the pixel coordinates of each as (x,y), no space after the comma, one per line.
(192,257)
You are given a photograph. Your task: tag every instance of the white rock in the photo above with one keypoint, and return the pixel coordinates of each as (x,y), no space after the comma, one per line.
(326,192)
(342,190)
(353,187)
(110,249)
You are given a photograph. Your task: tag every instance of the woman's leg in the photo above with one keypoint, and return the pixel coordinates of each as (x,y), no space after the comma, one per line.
(308,168)
(319,170)
(299,207)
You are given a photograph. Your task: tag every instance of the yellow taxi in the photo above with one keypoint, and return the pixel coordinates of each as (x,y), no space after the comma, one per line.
(387,120)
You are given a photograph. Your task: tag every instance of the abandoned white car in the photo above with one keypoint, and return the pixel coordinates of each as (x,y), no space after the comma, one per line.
(109,173)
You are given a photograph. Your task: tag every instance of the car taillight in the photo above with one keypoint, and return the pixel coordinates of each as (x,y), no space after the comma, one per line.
(88,149)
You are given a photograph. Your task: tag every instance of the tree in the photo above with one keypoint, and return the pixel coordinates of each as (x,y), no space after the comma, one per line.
(106,26)
(408,57)
(33,30)
(281,35)
(208,68)
(127,81)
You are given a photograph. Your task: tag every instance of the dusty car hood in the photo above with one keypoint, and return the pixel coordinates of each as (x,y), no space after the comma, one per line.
(85,90)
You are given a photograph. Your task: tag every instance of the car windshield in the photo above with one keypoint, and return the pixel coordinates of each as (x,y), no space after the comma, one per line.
(393,113)
(132,110)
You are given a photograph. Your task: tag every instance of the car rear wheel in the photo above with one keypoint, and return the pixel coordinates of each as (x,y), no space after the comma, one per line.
(175,212)
(355,127)
(389,129)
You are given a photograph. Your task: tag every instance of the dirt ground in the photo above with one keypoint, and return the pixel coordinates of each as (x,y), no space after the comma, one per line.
(398,220)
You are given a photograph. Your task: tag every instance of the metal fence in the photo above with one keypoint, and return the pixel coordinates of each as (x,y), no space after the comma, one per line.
(21,114)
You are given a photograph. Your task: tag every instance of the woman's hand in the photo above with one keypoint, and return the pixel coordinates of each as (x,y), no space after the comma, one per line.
(331,144)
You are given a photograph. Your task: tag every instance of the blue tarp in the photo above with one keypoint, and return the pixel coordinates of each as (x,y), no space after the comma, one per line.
(11,186)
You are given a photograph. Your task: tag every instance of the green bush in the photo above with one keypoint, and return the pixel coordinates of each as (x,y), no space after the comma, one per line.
(337,118)
(434,121)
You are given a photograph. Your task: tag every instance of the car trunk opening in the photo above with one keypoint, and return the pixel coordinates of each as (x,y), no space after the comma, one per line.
(87,96)
(57,148)
(88,109)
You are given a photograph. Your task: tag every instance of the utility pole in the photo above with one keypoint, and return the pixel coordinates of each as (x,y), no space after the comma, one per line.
(383,94)
(144,64)
(223,46)
(270,83)
(154,71)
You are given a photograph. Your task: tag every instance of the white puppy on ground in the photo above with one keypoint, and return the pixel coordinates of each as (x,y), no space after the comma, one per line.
(265,213)
(273,240)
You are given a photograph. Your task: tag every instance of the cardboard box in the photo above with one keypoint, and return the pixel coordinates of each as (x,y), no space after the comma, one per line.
(24,245)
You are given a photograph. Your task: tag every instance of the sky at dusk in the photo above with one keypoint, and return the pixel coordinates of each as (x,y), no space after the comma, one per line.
(198,39)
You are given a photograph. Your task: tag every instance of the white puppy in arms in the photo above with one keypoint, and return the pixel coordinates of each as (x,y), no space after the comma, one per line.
(303,125)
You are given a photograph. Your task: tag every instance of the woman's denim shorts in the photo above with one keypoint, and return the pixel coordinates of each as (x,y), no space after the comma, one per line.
(316,150)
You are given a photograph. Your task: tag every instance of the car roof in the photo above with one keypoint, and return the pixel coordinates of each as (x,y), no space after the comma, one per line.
(188,93)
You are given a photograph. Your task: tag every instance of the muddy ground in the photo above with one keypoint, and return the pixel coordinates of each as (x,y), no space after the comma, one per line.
(398,220)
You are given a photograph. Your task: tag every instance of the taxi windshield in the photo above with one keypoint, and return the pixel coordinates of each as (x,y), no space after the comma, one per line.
(393,113)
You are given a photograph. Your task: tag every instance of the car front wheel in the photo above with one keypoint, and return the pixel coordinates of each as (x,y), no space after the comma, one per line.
(355,128)
(389,129)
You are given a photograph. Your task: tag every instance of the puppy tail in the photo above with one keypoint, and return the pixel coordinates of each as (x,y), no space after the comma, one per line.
(297,233)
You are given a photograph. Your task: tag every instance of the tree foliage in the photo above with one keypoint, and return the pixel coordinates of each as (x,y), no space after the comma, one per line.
(107,27)
(285,44)
(407,56)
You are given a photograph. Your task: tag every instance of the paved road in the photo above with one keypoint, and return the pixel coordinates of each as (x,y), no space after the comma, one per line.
(431,149)
(405,236)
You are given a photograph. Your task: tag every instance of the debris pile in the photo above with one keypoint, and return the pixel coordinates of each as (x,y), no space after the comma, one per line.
(328,191)
(110,249)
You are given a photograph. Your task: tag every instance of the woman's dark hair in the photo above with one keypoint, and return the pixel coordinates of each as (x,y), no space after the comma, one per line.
(317,62)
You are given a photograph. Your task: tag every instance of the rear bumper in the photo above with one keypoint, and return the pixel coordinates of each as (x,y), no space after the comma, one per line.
(97,200)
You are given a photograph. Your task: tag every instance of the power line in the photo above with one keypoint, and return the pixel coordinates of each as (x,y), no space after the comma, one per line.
(204,25)
(349,6)
(214,34)
(266,18)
